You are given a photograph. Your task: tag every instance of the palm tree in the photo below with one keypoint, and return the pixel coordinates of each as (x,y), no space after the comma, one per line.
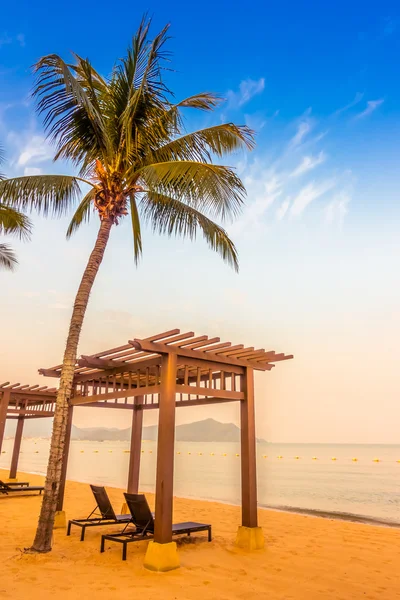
(12,222)
(127,138)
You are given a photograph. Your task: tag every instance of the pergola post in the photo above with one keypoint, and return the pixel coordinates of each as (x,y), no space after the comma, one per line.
(136,444)
(161,553)
(60,519)
(17,447)
(249,534)
(4,402)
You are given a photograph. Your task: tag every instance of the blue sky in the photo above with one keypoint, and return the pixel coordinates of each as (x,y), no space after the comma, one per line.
(318,238)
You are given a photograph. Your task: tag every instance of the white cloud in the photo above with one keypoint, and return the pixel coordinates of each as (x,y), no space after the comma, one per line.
(263,186)
(337,209)
(372,105)
(357,98)
(32,171)
(308,163)
(36,150)
(248,88)
(303,129)
(282,209)
(255,121)
(21,39)
(6,39)
(308,194)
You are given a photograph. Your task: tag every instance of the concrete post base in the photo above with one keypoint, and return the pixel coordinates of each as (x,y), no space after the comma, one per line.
(161,557)
(60,521)
(250,538)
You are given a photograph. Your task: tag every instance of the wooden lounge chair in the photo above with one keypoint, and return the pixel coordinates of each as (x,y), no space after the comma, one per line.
(143,519)
(107,515)
(22,486)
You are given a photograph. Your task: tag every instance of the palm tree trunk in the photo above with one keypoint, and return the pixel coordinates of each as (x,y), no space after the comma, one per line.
(43,538)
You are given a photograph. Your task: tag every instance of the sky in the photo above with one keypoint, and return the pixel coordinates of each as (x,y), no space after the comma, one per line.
(318,238)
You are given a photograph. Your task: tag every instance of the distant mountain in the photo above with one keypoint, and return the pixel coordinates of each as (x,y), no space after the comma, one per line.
(207,430)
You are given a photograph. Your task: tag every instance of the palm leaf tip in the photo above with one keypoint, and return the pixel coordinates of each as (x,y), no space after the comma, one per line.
(170,216)
(13,222)
(82,213)
(8,259)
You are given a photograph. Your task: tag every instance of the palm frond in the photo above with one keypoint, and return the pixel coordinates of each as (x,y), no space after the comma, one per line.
(203,144)
(202,101)
(46,194)
(82,213)
(7,258)
(169,216)
(141,71)
(67,98)
(214,188)
(136,230)
(13,222)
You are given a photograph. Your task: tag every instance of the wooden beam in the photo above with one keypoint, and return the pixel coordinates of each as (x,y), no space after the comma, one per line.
(136,444)
(39,393)
(203,391)
(4,401)
(30,412)
(110,405)
(248,451)
(49,373)
(209,364)
(17,447)
(117,368)
(158,348)
(165,451)
(141,391)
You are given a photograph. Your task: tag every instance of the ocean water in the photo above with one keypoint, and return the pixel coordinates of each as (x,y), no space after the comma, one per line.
(211,471)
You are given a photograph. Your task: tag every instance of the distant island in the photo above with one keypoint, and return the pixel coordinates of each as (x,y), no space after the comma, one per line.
(207,430)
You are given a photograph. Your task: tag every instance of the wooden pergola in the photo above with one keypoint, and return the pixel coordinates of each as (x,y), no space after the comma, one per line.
(22,402)
(166,371)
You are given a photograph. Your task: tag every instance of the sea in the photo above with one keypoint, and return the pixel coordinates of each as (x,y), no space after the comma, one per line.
(346,481)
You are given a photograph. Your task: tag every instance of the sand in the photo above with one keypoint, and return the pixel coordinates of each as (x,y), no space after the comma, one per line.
(305,558)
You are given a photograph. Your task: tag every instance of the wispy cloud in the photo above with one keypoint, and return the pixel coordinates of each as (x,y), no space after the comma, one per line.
(36,150)
(274,193)
(6,39)
(308,163)
(357,98)
(248,88)
(32,171)
(303,129)
(372,105)
(21,39)
(308,194)
(338,208)
(282,209)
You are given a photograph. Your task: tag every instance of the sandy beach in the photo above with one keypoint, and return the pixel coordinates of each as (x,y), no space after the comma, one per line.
(305,557)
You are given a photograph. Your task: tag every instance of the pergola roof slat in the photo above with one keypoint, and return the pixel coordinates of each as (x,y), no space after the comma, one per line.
(128,363)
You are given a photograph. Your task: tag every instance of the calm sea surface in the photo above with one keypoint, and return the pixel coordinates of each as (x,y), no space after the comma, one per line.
(212,471)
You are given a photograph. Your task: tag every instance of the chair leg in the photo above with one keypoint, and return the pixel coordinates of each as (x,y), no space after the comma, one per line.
(124,545)
(209,534)
(69,528)
(83,533)
(102,544)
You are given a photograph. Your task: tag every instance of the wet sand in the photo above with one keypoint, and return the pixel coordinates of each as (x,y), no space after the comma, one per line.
(305,557)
